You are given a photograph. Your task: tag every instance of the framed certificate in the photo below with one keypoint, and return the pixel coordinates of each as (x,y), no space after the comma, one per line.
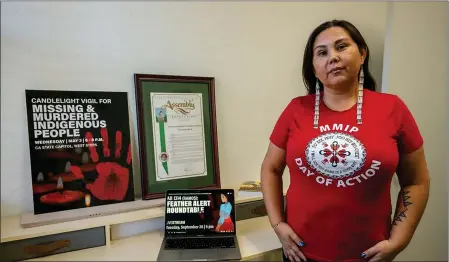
(177,133)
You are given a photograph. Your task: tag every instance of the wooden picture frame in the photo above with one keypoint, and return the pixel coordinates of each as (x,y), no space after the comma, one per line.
(178,145)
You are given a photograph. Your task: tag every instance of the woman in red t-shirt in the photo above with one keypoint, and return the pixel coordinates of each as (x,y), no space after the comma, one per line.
(342,144)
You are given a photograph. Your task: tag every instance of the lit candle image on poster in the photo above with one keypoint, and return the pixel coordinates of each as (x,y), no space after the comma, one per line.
(178,130)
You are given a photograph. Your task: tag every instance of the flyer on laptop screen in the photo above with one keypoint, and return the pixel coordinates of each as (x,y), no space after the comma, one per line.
(200,213)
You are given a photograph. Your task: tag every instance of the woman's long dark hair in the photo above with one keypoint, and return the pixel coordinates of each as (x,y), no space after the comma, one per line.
(307,65)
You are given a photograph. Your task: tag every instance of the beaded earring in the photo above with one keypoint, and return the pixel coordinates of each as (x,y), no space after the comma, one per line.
(360,97)
(316,115)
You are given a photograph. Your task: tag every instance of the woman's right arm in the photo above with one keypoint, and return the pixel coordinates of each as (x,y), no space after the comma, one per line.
(272,169)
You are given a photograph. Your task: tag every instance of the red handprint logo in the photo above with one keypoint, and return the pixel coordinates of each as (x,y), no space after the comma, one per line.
(113,170)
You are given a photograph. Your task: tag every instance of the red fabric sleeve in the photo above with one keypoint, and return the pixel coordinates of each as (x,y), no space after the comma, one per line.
(409,135)
(279,135)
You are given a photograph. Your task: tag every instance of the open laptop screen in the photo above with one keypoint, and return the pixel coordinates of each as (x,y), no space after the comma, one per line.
(200,212)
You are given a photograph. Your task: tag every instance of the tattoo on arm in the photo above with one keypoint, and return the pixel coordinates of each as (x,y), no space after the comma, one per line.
(403,203)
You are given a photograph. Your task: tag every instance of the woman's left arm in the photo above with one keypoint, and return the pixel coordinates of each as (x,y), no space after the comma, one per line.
(412,200)
(414,180)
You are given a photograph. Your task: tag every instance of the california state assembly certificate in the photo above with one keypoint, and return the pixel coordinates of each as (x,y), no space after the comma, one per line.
(178,135)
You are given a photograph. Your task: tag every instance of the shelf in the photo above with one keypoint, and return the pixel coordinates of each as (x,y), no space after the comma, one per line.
(255,236)
(12,229)
(254,232)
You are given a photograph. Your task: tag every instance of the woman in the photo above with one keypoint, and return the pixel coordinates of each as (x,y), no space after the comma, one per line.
(342,143)
(225,223)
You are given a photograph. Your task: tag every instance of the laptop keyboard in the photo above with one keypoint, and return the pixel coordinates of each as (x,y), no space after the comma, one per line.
(199,243)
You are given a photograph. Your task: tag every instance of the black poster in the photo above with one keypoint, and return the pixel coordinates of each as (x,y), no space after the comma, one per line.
(80,149)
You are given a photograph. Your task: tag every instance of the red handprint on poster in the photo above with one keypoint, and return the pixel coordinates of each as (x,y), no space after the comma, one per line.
(112,170)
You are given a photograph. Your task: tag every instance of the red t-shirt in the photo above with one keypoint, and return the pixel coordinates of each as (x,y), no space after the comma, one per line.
(338,201)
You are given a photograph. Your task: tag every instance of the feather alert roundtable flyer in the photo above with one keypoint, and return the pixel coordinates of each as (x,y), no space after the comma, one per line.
(80,149)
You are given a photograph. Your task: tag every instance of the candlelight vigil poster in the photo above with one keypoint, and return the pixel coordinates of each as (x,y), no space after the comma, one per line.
(80,149)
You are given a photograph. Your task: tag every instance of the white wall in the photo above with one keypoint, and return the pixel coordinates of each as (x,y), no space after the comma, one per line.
(252,49)
(416,68)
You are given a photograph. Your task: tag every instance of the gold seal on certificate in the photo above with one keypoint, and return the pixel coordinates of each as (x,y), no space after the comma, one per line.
(178,134)
(178,145)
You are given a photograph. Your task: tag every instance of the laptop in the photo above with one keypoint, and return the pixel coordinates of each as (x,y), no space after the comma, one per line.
(199,225)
